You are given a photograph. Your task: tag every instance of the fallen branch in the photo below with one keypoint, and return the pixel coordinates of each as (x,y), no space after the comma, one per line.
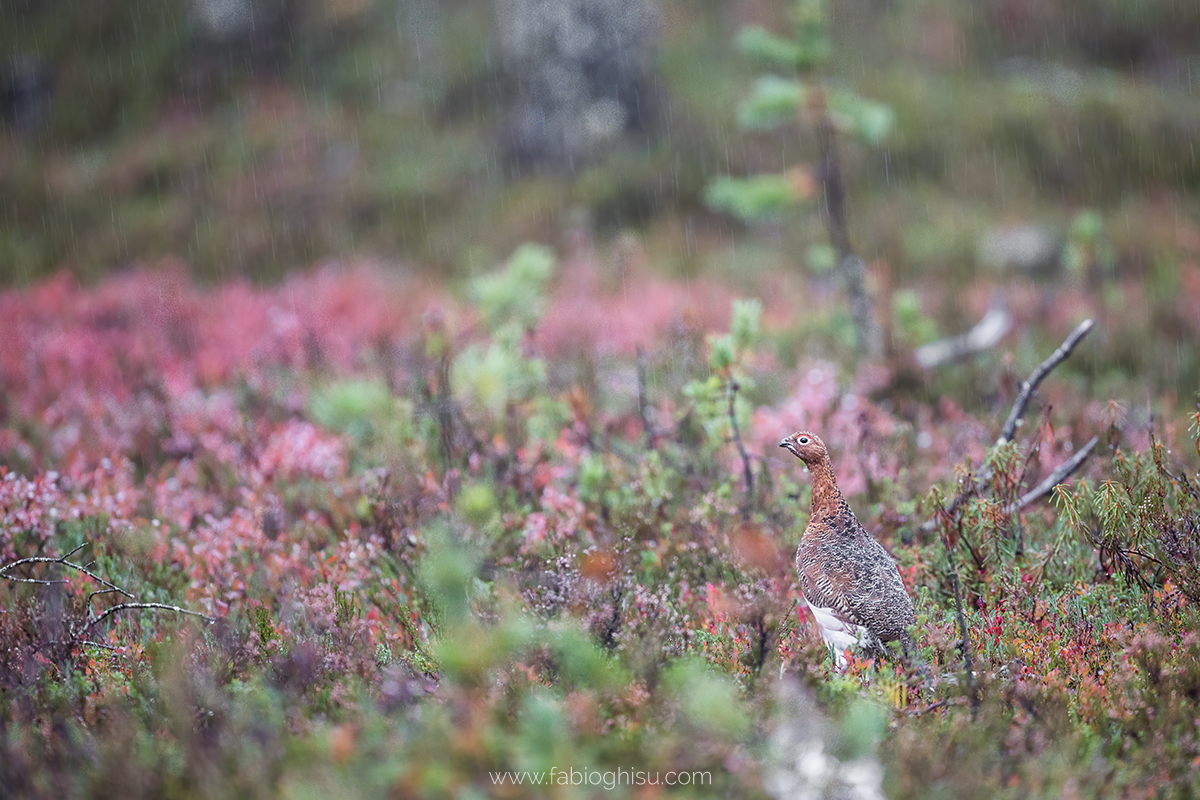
(92,618)
(160,606)
(986,334)
(916,712)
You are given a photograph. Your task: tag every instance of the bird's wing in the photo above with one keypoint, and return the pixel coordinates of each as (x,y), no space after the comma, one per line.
(857,584)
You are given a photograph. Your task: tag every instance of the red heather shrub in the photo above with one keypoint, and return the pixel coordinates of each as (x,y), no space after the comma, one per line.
(99,367)
(199,387)
(561,518)
(301,450)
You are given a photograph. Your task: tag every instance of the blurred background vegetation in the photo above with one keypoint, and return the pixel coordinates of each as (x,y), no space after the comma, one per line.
(1040,144)
(249,137)
(555,580)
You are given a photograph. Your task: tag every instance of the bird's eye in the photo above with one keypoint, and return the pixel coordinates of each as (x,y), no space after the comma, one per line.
(803,440)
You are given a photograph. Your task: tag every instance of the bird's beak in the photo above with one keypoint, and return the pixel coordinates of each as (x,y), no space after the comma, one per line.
(788,444)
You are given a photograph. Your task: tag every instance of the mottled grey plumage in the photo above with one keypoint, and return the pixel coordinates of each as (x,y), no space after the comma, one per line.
(849,581)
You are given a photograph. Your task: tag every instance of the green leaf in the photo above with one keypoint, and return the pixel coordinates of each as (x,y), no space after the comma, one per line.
(720,352)
(812,32)
(515,293)
(446,572)
(743,326)
(821,259)
(752,198)
(761,43)
(868,120)
(772,101)
(709,701)
(478,504)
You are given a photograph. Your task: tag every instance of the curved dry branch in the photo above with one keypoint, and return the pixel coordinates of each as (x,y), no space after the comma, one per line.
(160,606)
(986,334)
(93,619)
(1064,471)
(1038,375)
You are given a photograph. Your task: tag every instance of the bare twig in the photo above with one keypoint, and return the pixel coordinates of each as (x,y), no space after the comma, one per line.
(15,579)
(1064,471)
(1030,385)
(110,588)
(127,606)
(931,707)
(445,412)
(747,474)
(968,663)
(1010,426)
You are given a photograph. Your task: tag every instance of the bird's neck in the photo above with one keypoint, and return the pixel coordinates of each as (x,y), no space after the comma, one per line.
(826,497)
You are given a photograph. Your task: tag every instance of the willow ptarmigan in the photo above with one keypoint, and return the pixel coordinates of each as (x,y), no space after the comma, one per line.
(850,583)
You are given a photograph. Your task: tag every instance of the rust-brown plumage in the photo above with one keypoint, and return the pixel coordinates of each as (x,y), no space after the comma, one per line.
(850,583)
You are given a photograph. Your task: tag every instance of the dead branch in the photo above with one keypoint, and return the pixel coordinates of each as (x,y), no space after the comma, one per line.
(160,606)
(916,712)
(986,334)
(1064,471)
(1039,374)
(965,638)
(93,618)
(1010,425)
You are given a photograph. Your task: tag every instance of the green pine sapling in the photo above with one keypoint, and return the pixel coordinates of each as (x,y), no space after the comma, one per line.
(803,95)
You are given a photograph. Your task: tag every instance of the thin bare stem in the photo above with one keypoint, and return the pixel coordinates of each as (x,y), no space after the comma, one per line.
(850,266)
(931,707)
(160,606)
(33,580)
(747,474)
(968,662)
(109,588)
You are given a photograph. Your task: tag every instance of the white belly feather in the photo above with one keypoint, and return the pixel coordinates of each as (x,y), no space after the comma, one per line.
(838,634)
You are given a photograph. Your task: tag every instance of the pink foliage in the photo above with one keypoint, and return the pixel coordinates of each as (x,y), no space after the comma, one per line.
(100,367)
(299,449)
(36,506)
(865,440)
(561,517)
(148,366)
(843,419)
(640,309)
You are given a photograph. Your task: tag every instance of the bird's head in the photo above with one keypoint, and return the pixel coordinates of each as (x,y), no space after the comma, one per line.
(806,446)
